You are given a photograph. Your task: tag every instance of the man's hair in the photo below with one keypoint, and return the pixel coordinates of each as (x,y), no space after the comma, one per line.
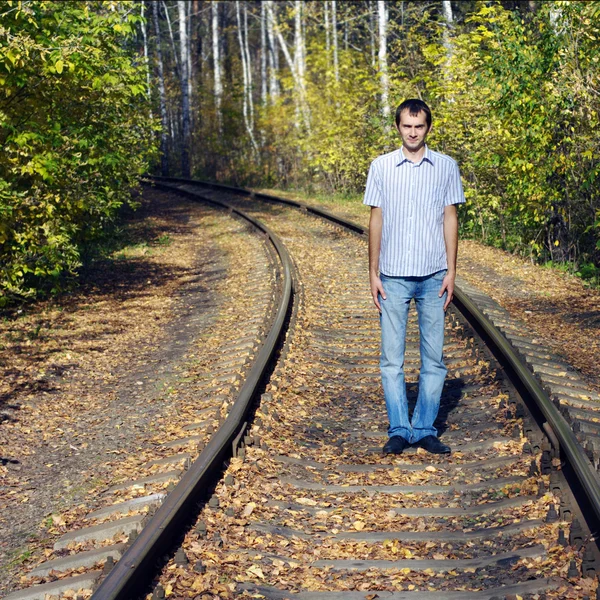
(414,106)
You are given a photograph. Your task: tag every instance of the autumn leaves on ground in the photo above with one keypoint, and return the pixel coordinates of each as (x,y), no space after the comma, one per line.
(90,376)
(81,376)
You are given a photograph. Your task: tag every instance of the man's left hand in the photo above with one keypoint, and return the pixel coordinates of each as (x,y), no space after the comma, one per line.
(447,286)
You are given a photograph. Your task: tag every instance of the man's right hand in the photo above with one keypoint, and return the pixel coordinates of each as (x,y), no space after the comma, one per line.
(377,290)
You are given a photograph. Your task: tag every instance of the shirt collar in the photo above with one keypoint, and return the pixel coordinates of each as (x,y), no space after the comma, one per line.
(428,156)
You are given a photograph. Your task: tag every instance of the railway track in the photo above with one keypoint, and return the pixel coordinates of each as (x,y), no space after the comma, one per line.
(308,508)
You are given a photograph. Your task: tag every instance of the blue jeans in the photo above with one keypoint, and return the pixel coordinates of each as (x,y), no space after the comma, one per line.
(399,292)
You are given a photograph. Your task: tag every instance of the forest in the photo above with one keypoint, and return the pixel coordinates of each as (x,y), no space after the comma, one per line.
(293,95)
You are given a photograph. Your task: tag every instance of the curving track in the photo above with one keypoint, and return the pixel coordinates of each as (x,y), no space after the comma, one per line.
(308,508)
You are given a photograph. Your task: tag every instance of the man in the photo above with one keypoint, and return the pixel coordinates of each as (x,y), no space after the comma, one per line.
(413,240)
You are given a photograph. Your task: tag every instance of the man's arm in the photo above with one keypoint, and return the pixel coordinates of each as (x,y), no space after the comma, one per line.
(375,226)
(451,241)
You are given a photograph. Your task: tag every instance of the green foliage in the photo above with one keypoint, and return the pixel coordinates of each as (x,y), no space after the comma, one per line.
(515,99)
(74,131)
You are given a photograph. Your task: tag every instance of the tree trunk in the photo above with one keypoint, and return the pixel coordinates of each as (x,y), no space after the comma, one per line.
(248,68)
(173,47)
(299,43)
(383,69)
(263,54)
(164,151)
(185,98)
(336,67)
(245,73)
(273,55)
(327,32)
(300,92)
(218,85)
(372,26)
(146,61)
(449,22)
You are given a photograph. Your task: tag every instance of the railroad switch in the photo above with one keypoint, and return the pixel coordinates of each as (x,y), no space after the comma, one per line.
(533,468)
(201,529)
(158,593)
(230,511)
(229,480)
(527,448)
(214,502)
(576,534)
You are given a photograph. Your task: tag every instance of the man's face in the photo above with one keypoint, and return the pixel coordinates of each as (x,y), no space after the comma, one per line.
(413,130)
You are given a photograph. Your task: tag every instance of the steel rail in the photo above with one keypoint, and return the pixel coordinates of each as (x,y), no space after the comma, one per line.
(135,568)
(573,452)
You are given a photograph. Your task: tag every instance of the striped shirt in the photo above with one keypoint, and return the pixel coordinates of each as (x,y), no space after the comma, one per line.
(412,197)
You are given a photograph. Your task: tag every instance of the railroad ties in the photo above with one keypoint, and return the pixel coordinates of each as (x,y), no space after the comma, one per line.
(307,507)
(235,303)
(311,509)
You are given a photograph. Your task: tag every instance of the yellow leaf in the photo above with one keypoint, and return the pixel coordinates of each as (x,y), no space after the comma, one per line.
(256,570)
(169,589)
(249,508)
(307,501)
(358,525)
(431,469)
(58,65)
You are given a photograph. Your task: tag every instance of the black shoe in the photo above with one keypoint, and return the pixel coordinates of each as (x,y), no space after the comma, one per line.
(395,445)
(433,445)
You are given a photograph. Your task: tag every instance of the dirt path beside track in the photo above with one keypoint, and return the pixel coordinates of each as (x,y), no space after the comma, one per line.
(103,372)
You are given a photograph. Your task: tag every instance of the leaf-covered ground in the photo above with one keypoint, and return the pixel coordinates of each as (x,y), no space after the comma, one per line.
(94,383)
(562,310)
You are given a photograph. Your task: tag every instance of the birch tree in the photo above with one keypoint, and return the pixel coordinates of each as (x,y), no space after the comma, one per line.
(247,101)
(218,85)
(300,91)
(372,33)
(172,37)
(383,69)
(146,61)
(448,21)
(185,97)
(334,39)
(327,32)
(164,150)
(263,54)
(299,58)
(273,54)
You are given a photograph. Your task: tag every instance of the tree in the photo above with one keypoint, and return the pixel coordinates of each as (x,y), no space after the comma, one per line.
(75,133)
(185,89)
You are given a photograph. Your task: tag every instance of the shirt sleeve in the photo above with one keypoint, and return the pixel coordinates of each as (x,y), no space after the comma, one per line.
(373,195)
(454,190)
